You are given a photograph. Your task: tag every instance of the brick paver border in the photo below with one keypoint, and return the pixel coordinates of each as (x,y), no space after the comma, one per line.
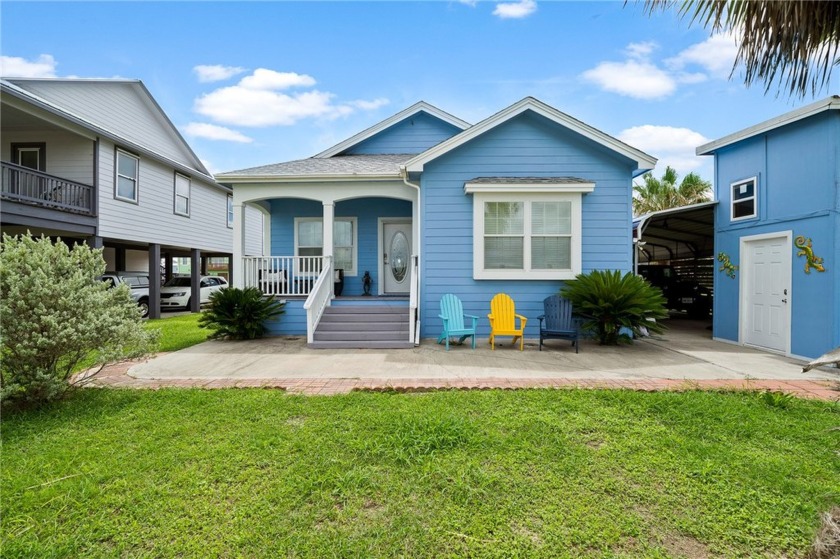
(115,376)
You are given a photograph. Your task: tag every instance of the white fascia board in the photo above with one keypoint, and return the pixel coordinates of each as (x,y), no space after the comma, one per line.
(644,160)
(34,100)
(827,104)
(472,188)
(420,106)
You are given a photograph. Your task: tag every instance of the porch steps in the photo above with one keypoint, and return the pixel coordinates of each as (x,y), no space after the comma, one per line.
(363,327)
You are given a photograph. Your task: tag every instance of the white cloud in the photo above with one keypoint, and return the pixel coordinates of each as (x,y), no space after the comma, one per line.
(216,72)
(671,145)
(214,132)
(633,78)
(16,67)
(263,78)
(716,55)
(257,100)
(515,10)
(470,3)
(641,50)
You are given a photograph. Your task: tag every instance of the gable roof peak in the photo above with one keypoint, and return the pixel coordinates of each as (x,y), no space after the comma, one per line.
(420,106)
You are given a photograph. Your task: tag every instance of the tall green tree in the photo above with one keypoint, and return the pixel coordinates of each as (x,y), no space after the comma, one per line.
(791,44)
(660,194)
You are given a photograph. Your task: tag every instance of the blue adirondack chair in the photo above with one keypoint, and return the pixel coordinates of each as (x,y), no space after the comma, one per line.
(452,314)
(558,322)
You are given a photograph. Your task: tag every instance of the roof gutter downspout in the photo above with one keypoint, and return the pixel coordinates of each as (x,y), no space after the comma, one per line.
(637,242)
(416,225)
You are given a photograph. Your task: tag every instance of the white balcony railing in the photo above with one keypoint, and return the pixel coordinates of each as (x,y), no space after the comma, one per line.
(286,276)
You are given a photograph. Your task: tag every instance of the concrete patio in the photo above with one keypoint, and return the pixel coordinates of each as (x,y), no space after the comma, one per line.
(684,357)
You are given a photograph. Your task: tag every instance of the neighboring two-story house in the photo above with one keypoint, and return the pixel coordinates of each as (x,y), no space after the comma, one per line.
(423,204)
(98,161)
(778,221)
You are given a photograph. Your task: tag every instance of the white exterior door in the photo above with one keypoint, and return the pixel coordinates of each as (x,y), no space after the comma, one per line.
(396,263)
(765,292)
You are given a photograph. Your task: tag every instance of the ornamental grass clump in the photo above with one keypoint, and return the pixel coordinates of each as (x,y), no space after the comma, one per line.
(55,315)
(240,314)
(613,305)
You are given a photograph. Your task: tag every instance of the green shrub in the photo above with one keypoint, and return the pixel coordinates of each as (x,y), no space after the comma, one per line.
(610,302)
(55,315)
(240,314)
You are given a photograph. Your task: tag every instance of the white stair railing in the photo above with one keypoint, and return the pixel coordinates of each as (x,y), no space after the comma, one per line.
(319,299)
(414,295)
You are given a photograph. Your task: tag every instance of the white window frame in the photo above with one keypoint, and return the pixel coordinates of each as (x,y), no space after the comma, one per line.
(229,214)
(754,199)
(355,249)
(188,197)
(117,175)
(527,194)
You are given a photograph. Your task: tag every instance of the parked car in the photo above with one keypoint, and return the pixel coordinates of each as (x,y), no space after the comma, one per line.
(177,291)
(682,294)
(138,282)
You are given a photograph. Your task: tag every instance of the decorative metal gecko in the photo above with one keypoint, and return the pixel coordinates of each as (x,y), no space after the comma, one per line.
(803,243)
(728,267)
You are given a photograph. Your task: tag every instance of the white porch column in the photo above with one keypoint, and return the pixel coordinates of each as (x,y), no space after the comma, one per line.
(266,244)
(329,219)
(238,278)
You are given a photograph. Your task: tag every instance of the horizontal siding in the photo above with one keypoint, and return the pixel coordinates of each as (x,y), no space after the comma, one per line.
(527,146)
(253,231)
(415,134)
(366,210)
(118,107)
(67,155)
(292,322)
(153,219)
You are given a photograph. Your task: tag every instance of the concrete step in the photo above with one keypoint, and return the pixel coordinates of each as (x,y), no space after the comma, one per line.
(359,344)
(362,326)
(332,318)
(371,336)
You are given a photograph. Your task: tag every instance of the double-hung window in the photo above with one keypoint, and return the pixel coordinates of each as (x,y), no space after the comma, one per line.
(744,199)
(182,195)
(309,241)
(127,175)
(230,211)
(522,233)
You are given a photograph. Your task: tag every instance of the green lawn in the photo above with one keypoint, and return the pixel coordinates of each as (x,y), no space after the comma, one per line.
(531,473)
(178,332)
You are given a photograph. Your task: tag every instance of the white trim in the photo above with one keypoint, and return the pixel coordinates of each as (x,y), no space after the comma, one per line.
(643,160)
(353,220)
(827,104)
(732,200)
(229,213)
(480,273)
(421,106)
(176,195)
(117,175)
(559,187)
(380,244)
(743,283)
(251,179)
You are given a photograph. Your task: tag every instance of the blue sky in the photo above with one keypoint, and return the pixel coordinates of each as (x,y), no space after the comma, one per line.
(250,84)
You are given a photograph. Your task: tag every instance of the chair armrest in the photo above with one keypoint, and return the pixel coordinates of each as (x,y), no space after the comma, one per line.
(474,320)
(471,316)
(490,318)
(444,318)
(522,321)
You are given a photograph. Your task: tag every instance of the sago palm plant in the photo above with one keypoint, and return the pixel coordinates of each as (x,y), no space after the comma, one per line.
(240,314)
(612,304)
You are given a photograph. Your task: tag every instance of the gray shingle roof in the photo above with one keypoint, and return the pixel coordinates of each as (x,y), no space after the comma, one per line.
(385,165)
(528,180)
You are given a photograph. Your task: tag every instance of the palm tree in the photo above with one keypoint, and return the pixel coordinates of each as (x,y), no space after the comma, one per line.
(661,194)
(793,43)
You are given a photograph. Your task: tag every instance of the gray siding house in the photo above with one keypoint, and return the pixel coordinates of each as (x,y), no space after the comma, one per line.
(98,161)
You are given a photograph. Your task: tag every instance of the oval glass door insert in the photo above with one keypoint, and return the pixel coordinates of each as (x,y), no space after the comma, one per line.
(399,256)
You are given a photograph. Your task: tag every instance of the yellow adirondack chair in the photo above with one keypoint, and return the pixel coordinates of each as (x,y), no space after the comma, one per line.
(503,320)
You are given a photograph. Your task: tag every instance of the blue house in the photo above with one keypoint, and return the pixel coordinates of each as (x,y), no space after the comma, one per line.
(424,204)
(778,221)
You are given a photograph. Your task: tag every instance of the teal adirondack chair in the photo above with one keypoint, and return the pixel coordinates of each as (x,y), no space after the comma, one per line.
(452,314)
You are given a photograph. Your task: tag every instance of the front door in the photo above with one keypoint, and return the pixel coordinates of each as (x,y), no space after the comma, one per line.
(396,263)
(766,293)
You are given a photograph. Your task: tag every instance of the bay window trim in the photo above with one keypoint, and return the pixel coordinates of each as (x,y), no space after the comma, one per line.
(480,197)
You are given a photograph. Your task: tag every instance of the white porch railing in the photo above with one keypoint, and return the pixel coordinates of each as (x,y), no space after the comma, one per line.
(286,276)
(413,318)
(319,299)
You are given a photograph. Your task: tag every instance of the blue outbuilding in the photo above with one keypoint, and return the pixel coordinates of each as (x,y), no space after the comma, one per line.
(777,232)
